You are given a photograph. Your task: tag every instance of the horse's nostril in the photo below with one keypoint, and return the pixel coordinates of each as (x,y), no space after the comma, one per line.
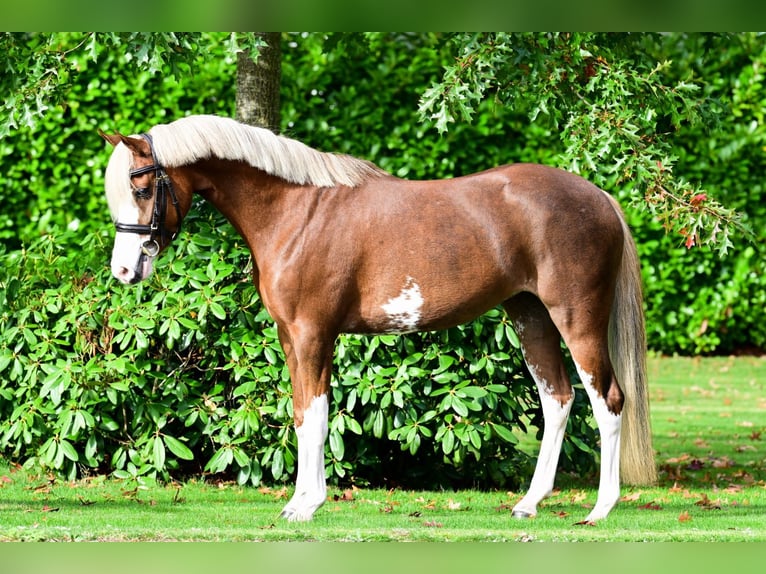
(125,275)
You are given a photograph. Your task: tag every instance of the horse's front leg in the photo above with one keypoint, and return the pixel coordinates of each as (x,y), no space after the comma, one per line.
(309,359)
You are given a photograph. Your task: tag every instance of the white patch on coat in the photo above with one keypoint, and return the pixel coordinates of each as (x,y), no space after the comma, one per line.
(404,309)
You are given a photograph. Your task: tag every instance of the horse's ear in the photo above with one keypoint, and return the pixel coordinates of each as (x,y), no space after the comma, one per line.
(112,139)
(136,145)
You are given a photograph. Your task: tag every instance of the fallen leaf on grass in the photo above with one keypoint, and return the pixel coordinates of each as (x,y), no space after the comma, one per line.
(682,458)
(684,517)
(47,508)
(578,496)
(427,504)
(708,504)
(676,489)
(650,506)
(278,494)
(560,514)
(673,472)
(631,497)
(585,523)
(745,477)
(346,496)
(432,524)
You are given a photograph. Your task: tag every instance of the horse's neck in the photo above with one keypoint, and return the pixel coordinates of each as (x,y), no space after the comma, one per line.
(258,205)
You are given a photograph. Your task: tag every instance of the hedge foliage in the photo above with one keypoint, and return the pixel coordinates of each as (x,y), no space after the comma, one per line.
(183,374)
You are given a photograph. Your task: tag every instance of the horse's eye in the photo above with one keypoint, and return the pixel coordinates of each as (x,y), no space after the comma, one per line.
(142,193)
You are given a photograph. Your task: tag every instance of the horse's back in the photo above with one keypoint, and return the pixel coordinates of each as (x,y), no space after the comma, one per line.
(562,211)
(437,253)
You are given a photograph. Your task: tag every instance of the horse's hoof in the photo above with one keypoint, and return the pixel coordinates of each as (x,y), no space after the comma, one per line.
(522,514)
(297,515)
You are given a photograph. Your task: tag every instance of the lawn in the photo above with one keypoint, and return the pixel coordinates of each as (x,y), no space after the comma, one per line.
(709,424)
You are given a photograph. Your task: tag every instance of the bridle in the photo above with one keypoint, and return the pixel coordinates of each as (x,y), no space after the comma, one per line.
(162,188)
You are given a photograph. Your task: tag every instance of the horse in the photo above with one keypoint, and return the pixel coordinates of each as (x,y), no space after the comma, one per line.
(341,246)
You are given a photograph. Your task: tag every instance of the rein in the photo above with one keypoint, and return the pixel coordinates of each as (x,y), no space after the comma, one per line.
(162,188)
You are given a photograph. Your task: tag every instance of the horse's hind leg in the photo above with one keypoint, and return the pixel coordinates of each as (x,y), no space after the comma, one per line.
(541,346)
(585,334)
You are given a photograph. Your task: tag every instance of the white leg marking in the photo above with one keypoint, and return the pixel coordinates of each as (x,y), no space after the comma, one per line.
(404,310)
(609,429)
(555,423)
(310,485)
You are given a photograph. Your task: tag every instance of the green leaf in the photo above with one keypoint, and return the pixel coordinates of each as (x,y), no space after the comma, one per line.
(448,442)
(337,445)
(580,444)
(220,461)
(218,310)
(158,452)
(459,406)
(178,448)
(472,392)
(353,425)
(277,464)
(49,450)
(241,458)
(378,424)
(505,434)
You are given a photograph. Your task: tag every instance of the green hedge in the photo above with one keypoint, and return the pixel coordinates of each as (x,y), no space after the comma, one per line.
(696,302)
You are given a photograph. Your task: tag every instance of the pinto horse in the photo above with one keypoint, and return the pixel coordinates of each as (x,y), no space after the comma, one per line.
(341,246)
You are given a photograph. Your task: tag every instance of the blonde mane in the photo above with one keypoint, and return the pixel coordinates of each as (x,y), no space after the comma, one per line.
(193,138)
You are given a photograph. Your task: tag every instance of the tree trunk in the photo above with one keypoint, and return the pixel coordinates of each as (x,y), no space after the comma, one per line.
(258,84)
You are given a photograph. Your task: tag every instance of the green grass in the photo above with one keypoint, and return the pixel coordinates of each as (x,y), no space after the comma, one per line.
(709,423)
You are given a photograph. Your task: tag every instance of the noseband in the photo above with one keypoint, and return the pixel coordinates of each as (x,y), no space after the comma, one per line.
(162,189)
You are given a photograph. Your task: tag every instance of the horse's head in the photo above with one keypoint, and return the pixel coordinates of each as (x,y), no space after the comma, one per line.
(144,206)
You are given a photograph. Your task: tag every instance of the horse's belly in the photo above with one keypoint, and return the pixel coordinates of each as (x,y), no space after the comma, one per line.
(417,305)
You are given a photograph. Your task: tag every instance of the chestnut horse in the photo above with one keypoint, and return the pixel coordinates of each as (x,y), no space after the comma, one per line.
(341,246)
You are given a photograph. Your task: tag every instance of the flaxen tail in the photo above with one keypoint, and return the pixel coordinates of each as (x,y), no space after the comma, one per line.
(627,351)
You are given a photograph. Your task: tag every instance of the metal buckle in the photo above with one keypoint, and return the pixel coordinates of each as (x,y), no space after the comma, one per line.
(150,248)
